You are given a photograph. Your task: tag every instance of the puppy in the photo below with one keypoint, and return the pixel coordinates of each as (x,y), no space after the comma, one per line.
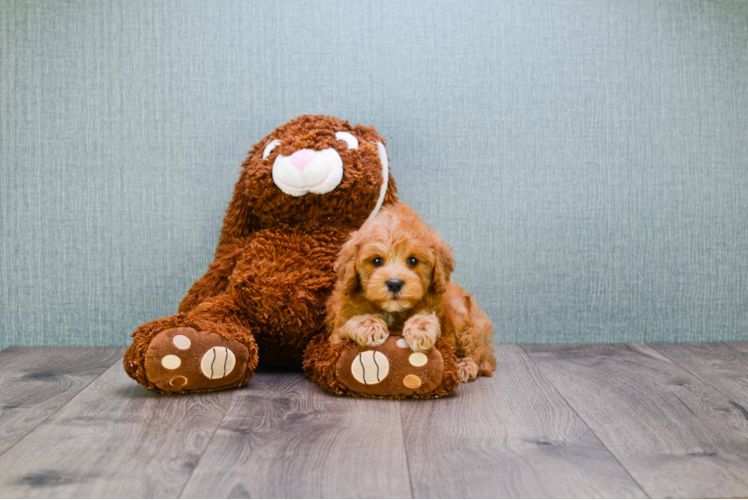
(393,274)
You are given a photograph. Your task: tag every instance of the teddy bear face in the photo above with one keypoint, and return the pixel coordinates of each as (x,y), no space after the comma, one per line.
(317,169)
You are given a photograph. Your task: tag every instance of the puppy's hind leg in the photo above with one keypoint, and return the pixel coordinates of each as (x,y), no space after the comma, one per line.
(467,369)
(474,349)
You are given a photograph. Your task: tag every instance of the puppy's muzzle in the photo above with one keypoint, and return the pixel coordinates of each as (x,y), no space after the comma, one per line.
(394,285)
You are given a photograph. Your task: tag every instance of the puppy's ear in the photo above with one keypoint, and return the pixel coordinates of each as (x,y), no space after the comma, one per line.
(444,264)
(345,266)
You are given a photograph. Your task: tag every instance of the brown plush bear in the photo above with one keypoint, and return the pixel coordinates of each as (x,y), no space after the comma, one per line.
(302,190)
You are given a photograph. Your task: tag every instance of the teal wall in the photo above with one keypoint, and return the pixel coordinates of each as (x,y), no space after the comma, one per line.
(586,159)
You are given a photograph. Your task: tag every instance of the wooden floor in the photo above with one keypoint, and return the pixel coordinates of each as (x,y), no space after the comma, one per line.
(555,421)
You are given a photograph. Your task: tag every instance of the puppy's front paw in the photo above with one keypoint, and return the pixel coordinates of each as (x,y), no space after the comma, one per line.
(467,369)
(366,330)
(421,331)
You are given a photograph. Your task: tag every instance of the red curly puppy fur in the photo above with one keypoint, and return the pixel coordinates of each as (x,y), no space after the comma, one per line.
(394,273)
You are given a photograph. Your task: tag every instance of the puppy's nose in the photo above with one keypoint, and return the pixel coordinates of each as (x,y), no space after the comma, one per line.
(394,285)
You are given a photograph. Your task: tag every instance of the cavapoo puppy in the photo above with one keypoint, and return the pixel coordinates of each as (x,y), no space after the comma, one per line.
(393,274)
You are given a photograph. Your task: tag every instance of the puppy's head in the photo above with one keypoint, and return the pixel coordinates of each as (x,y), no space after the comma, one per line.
(395,260)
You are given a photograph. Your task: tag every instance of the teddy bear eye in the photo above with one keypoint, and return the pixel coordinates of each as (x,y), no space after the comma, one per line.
(378,261)
(269,148)
(412,261)
(349,139)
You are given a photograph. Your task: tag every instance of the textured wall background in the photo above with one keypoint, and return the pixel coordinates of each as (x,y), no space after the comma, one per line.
(586,159)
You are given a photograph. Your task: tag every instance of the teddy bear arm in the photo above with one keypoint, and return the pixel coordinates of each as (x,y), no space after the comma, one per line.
(216,279)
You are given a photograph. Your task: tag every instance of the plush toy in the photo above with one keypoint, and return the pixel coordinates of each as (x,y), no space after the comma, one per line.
(302,190)
(391,370)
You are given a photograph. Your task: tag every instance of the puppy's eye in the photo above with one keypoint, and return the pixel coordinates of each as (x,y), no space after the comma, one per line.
(378,261)
(412,261)
(269,148)
(349,139)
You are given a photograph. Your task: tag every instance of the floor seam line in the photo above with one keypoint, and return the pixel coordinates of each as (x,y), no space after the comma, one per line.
(405,448)
(61,406)
(207,445)
(729,398)
(599,439)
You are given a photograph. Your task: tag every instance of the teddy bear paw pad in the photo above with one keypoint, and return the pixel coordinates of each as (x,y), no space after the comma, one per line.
(186,360)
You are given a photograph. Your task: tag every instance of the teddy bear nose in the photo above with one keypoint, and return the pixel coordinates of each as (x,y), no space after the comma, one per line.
(394,285)
(302,158)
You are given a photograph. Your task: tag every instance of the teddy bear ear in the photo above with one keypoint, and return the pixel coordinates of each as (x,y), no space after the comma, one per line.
(345,265)
(384,161)
(238,220)
(444,264)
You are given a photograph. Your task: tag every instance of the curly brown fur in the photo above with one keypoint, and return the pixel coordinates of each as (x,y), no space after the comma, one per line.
(398,245)
(273,268)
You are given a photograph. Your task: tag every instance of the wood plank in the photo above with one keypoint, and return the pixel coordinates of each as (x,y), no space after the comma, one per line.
(676,435)
(511,435)
(114,439)
(739,346)
(37,381)
(719,365)
(285,437)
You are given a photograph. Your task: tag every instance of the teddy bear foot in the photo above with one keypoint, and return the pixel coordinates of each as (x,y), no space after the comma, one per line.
(391,370)
(186,360)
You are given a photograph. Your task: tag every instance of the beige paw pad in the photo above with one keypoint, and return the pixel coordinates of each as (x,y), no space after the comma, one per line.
(418,359)
(402,343)
(218,362)
(181,342)
(370,367)
(171,362)
(412,381)
(178,381)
